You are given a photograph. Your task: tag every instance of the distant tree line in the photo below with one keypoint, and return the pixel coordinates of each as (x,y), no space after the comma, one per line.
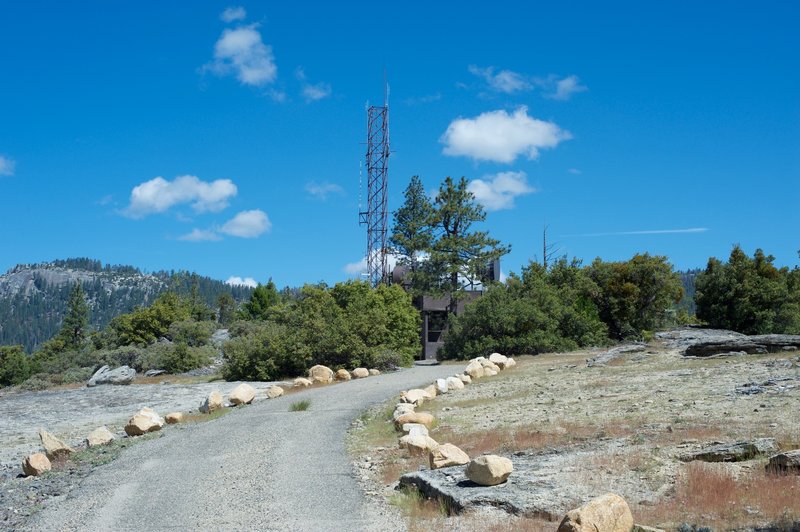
(29,319)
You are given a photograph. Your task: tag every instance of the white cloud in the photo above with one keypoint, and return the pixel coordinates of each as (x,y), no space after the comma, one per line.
(563,89)
(235,280)
(233,13)
(497,192)
(241,52)
(247,224)
(319,91)
(159,195)
(7,165)
(505,81)
(359,268)
(200,235)
(501,137)
(312,92)
(323,190)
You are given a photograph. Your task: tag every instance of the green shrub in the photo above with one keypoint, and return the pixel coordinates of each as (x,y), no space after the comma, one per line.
(388,359)
(192,333)
(15,366)
(182,358)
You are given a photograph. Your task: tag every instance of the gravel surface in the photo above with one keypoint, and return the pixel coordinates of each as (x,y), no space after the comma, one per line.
(260,467)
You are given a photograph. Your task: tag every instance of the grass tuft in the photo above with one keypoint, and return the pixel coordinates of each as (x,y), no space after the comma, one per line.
(300,406)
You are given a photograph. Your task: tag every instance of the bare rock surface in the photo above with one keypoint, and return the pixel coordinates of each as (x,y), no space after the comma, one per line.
(615,352)
(99,436)
(54,448)
(786,462)
(74,413)
(105,375)
(733,452)
(36,464)
(698,342)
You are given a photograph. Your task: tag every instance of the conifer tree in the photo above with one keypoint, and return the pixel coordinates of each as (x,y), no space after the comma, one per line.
(76,322)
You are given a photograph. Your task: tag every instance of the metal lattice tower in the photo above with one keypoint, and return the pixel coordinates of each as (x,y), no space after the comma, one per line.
(376,215)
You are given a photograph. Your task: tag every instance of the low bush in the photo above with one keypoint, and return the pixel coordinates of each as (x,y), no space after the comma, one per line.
(15,366)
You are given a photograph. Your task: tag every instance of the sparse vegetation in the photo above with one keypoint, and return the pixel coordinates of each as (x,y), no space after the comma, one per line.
(300,406)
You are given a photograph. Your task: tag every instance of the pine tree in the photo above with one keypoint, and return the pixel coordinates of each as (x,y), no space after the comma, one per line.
(412,234)
(263,298)
(76,322)
(227,309)
(460,255)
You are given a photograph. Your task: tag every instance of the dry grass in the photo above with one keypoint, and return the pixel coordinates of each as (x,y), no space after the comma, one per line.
(713,495)
(419,511)
(530,437)
(199,417)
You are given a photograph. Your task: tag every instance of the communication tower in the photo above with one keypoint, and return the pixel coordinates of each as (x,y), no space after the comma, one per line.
(376,215)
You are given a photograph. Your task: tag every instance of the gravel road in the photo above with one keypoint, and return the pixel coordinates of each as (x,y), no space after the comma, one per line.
(260,467)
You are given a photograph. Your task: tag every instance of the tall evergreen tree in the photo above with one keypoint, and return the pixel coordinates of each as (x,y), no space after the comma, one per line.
(263,298)
(459,255)
(227,309)
(412,234)
(76,322)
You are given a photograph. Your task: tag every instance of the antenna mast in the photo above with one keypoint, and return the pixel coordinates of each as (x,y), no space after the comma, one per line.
(376,215)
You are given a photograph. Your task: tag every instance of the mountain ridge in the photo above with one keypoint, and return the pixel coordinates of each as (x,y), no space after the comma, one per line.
(33,297)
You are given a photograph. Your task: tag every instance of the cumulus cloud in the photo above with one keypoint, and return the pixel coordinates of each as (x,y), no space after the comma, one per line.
(497,192)
(563,89)
(200,235)
(319,91)
(159,195)
(7,165)
(312,92)
(501,137)
(241,52)
(323,190)
(233,13)
(247,224)
(235,280)
(505,81)
(359,268)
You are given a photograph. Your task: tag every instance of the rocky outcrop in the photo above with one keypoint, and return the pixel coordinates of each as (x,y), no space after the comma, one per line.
(447,455)
(36,464)
(99,436)
(321,374)
(143,422)
(698,342)
(242,395)
(174,417)
(212,403)
(360,373)
(788,462)
(273,392)
(733,452)
(106,375)
(608,513)
(53,447)
(343,375)
(759,344)
(489,470)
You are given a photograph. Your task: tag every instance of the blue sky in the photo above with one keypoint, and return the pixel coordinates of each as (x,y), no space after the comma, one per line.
(226,138)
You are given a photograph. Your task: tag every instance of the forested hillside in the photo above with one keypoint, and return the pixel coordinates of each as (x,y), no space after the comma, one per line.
(33,297)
